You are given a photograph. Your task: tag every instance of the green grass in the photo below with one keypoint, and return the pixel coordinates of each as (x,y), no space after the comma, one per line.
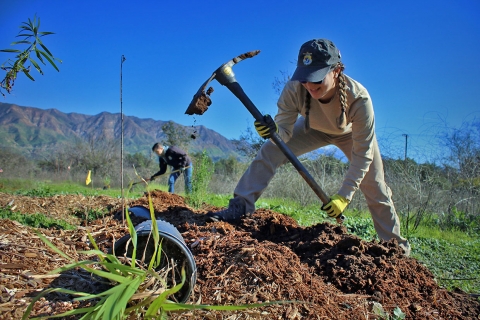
(91,215)
(451,236)
(36,220)
(218,200)
(48,188)
(455,264)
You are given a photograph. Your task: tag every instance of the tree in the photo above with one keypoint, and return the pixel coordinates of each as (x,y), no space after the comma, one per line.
(14,163)
(249,143)
(228,167)
(31,37)
(176,135)
(279,83)
(202,175)
(95,153)
(464,147)
(464,155)
(138,160)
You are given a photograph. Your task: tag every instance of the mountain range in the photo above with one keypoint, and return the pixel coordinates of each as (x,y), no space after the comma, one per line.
(39,131)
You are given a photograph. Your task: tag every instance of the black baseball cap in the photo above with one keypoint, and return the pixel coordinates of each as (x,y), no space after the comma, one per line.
(315,59)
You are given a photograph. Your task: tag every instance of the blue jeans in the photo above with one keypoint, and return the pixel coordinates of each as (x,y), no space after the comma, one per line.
(187,176)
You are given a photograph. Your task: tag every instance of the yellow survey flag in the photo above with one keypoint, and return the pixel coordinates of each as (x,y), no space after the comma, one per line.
(89,177)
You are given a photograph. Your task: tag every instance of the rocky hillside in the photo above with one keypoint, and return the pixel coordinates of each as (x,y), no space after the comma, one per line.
(28,130)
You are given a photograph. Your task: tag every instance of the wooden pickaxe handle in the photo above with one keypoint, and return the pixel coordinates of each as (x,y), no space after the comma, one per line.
(237,90)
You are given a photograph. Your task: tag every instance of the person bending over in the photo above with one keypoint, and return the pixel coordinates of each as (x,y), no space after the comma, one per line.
(180,163)
(322,106)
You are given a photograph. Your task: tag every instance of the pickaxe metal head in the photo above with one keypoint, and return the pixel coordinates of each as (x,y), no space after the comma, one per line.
(224,75)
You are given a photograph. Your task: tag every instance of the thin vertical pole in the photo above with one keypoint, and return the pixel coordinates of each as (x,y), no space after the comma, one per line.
(121,138)
(406,144)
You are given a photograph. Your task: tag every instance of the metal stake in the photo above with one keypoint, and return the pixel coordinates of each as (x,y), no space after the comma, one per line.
(121,137)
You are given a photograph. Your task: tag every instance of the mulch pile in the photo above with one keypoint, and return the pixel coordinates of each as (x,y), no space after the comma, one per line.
(323,270)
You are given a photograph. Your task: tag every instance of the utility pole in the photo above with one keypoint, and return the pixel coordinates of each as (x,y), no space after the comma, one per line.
(122,60)
(406,143)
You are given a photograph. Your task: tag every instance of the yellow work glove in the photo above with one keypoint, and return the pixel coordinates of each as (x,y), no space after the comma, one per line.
(335,207)
(266,127)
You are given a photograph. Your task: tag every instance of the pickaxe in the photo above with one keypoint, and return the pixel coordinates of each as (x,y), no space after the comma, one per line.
(225,76)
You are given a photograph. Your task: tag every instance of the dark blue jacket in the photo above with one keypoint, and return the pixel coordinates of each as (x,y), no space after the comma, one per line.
(175,157)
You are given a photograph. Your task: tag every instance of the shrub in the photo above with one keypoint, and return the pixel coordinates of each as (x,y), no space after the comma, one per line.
(202,174)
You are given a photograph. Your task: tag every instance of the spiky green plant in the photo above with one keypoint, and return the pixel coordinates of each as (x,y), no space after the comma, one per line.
(135,290)
(30,32)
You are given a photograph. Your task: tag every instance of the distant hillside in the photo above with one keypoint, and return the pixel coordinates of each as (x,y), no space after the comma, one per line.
(38,131)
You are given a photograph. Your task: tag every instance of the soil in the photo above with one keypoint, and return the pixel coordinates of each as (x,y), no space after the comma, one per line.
(200,102)
(322,271)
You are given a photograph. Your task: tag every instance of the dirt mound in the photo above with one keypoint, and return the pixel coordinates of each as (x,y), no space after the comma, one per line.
(329,273)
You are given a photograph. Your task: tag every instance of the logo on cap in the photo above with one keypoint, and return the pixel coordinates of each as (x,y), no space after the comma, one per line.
(307,58)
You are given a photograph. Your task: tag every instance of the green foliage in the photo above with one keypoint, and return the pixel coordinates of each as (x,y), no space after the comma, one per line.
(42,190)
(455,220)
(433,232)
(36,220)
(138,160)
(460,220)
(202,175)
(454,264)
(398,314)
(361,227)
(228,167)
(32,38)
(91,214)
(378,310)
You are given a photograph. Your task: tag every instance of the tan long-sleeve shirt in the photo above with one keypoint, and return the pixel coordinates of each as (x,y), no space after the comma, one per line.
(360,118)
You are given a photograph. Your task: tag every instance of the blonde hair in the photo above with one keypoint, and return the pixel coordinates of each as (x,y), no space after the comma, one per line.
(342,88)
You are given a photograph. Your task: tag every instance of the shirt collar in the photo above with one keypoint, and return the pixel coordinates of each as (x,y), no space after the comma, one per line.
(165,148)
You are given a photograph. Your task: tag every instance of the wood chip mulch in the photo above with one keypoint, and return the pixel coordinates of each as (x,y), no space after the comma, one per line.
(322,270)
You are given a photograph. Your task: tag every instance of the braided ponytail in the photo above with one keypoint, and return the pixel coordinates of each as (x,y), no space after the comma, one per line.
(306,127)
(342,85)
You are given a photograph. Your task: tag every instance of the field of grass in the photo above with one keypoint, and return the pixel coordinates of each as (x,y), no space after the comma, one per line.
(451,255)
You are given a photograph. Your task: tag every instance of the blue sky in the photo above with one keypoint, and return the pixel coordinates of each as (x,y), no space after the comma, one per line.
(418,59)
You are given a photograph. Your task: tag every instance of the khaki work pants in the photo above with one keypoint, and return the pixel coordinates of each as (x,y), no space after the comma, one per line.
(378,195)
